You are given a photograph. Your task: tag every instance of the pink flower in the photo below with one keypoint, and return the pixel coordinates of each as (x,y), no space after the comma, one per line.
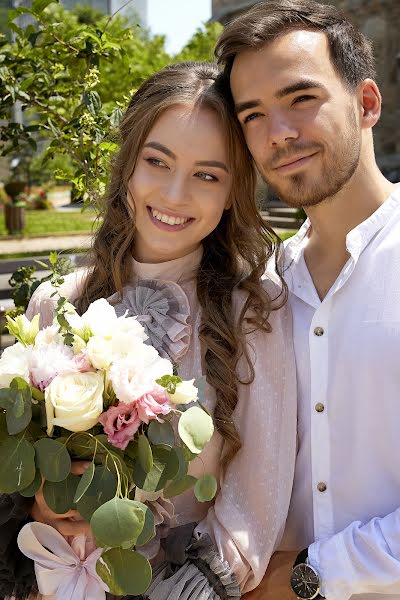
(120,423)
(152,404)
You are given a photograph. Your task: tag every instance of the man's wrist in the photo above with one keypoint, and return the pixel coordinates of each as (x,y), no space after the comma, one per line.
(305,580)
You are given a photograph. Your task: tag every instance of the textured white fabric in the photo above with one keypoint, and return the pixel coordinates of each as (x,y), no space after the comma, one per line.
(248,516)
(353,445)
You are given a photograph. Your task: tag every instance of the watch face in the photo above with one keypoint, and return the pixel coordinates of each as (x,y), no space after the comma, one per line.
(305,582)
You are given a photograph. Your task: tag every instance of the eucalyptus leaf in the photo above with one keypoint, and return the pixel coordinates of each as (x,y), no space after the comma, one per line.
(195,428)
(102,488)
(17,465)
(125,572)
(84,482)
(19,414)
(59,495)
(145,454)
(161,433)
(205,488)
(148,531)
(117,521)
(165,467)
(183,462)
(31,490)
(53,459)
(178,486)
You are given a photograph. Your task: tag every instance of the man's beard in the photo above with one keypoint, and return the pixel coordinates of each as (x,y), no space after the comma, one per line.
(299,190)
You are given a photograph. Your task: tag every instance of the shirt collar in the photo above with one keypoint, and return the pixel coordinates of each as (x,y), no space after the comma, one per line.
(356,240)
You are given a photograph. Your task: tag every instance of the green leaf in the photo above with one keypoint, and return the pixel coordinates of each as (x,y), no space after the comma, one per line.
(145,454)
(84,482)
(169,382)
(7,396)
(165,467)
(126,572)
(33,487)
(161,434)
(102,488)
(93,102)
(117,521)
(38,6)
(195,428)
(59,495)
(19,414)
(178,486)
(148,531)
(205,488)
(183,463)
(17,465)
(53,459)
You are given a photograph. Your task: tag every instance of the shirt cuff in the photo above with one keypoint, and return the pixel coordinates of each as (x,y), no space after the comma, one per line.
(330,559)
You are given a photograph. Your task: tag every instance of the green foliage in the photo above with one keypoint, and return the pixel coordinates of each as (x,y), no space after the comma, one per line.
(195,429)
(201,46)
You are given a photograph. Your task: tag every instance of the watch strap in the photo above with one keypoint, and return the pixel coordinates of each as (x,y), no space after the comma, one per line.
(302,559)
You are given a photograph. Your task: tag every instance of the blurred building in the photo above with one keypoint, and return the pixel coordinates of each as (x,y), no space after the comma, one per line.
(379,20)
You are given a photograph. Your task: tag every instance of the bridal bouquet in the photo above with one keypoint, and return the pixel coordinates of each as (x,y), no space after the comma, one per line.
(90,388)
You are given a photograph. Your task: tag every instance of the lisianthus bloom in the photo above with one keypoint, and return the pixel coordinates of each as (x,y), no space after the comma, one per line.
(48,361)
(121,422)
(134,375)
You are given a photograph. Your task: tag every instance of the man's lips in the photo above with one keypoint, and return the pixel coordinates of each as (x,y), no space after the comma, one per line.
(294,162)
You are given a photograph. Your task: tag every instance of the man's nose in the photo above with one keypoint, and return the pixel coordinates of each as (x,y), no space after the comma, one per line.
(281,130)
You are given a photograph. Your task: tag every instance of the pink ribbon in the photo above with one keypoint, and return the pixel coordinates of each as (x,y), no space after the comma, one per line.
(62,570)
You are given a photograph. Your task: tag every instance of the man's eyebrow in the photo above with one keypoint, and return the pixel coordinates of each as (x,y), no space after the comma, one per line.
(161,148)
(212,163)
(303,84)
(241,106)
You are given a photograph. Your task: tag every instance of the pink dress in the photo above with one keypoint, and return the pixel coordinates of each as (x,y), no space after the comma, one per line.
(247,518)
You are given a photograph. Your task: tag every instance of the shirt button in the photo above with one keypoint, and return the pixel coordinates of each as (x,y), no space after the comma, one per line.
(321,486)
(318,331)
(319,407)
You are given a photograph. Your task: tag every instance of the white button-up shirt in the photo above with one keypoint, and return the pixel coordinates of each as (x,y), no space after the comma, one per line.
(346,497)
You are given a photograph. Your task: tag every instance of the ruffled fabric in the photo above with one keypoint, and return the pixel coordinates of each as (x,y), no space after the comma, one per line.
(164,519)
(163,310)
(193,571)
(17,575)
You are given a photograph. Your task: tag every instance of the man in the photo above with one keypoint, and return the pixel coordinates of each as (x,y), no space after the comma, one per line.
(302,82)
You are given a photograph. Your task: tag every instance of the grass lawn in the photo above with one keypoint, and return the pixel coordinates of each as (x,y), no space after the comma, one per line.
(47,222)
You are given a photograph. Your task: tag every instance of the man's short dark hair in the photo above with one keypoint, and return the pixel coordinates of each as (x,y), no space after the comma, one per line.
(350,51)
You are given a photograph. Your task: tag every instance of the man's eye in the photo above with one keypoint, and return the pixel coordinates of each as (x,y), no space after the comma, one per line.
(251,117)
(303,98)
(206,176)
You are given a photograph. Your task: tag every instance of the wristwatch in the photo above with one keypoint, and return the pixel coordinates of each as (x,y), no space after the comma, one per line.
(305,580)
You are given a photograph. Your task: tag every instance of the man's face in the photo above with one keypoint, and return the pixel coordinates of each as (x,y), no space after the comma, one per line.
(300,122)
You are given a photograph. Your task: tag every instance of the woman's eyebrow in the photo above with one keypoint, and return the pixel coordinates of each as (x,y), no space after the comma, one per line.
(212,163)
(161,148)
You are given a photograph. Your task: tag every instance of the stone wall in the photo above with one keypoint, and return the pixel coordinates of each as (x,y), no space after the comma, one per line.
(379,20)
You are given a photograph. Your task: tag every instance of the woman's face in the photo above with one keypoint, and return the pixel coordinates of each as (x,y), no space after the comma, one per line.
(181,184)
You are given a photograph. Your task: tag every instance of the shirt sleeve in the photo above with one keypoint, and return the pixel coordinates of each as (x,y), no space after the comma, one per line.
(247,520)
(364,558)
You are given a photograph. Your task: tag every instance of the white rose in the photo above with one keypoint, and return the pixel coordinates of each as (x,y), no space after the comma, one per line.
(99,351)
(185,393)
(74,401)
(14,362)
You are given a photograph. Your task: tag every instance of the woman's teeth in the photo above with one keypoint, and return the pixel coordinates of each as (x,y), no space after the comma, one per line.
(168,219)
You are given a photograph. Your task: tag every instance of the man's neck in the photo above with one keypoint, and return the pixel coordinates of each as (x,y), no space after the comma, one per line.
(331,221)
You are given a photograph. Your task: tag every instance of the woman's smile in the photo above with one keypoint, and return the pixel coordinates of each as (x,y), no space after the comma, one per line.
(166,221)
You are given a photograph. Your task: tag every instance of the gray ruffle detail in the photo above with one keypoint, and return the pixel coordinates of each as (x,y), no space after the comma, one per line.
(163,309)
(203,576)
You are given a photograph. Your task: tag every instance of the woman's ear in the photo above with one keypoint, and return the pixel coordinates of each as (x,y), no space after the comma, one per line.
(371,102)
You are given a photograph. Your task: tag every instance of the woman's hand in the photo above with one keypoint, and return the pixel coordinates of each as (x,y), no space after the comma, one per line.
(68,524)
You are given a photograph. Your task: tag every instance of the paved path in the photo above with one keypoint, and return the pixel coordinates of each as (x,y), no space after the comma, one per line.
(44,244)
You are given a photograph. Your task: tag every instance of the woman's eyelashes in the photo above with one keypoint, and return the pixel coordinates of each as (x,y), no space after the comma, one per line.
(158,163)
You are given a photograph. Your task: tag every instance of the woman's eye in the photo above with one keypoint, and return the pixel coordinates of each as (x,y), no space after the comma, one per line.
(206,176)
(155,162)
(251,117)
(303,98)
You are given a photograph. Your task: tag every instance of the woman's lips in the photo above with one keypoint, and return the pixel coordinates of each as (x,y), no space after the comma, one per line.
(166,226)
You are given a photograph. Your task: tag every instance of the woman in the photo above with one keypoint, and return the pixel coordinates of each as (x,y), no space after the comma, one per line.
(180,217)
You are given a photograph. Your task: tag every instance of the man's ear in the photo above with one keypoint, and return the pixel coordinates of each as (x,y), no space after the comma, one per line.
(371,102)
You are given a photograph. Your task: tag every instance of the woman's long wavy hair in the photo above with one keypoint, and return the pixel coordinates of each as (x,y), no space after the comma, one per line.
(235,253)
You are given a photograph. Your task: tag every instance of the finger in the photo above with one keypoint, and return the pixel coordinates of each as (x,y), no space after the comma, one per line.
(68,527)
(79,467)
